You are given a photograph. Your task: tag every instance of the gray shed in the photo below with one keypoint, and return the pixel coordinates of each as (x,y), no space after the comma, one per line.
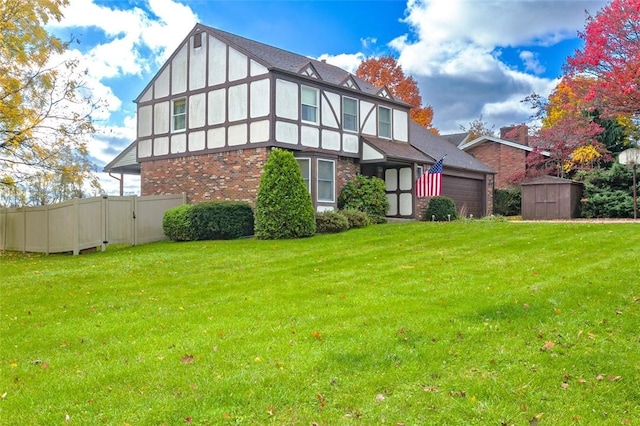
(550,197)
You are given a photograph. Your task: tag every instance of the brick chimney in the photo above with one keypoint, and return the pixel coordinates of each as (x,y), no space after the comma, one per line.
(519,134)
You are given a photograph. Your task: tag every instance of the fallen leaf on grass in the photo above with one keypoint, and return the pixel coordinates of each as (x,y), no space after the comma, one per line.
(187,359)
(534,420)
(547,346)
(272,410)
(321,400)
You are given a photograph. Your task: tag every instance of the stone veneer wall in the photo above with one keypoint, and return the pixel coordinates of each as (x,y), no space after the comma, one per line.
(231,175)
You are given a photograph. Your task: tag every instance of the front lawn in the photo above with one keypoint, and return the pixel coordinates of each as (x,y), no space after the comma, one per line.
(463,323)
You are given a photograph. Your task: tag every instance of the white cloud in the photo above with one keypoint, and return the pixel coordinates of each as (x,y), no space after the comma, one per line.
(531,62)
(348,62)
(454,52)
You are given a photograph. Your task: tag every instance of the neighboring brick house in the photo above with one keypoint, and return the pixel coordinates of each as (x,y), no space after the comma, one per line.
(209,118)
(506,155)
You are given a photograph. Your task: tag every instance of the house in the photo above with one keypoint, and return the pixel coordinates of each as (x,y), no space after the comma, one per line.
(209,118)
(506,155)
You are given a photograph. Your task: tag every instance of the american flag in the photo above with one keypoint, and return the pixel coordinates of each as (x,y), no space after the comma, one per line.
(430,183)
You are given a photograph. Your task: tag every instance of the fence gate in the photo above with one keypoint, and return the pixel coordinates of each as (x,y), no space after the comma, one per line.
(80,224)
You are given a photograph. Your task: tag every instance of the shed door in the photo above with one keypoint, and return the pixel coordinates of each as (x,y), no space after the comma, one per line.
(468,194)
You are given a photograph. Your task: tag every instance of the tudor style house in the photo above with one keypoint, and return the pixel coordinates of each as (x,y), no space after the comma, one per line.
(209,118)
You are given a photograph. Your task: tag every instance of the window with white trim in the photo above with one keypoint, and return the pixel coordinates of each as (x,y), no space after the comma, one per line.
(326,181)
(309,101)
(419,171)
(305,169)
(384,122)
(179,115)
(350,114)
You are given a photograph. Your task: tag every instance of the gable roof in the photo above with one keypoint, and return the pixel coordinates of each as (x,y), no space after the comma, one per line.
(125,162)
(482,139)
(456,138)
(437,147)
(282,60)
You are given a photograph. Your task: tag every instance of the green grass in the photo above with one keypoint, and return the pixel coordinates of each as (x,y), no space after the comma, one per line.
(464,323)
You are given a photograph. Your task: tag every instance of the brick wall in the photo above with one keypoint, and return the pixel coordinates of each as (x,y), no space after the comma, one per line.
(346,171)
(232,175)
(506,161)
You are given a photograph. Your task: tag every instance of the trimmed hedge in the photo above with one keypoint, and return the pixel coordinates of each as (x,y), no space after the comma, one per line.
(221,220)
(356,218)
(440,209)
(176,223)
(211,220)
(331,222)
(366,194)
(284,208)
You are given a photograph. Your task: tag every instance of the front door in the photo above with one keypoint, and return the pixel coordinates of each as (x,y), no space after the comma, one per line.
(399,186)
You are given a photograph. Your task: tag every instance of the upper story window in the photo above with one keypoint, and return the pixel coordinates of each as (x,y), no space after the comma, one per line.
(384,122)
(350,114)
(305,169)
(326,181)
(309,98)
(179,115)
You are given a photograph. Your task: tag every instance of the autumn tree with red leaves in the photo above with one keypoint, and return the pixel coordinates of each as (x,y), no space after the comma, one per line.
(385,72)
(611,57)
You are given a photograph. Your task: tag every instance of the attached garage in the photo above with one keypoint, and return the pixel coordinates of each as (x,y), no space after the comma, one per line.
(468,194)
(466,180)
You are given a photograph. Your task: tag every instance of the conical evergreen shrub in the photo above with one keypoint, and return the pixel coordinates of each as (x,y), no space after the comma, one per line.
(284,208)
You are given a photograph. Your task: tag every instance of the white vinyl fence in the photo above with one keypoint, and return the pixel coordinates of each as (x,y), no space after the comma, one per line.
(81,224)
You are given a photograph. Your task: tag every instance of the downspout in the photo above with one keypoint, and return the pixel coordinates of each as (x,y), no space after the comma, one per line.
(121,180)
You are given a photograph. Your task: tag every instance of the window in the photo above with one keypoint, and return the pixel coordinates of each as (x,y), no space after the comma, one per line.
(326,178)
(179,115)
(305,169)
(350,114)
(384,122)
(309,99)
(419,171)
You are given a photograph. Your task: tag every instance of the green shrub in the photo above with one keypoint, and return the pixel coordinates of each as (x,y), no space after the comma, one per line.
(366,194)
(283,206)
(608,193)
(331,222)
(176,223)
(221,220)
(440,209)
(356,218)
(507,202)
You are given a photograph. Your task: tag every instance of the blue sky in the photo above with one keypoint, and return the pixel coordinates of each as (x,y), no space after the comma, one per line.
(471,58)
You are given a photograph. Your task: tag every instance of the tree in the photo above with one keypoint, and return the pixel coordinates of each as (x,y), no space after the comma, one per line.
(478,128)
(611,57)
(385,72)
(284,208)
(45,110)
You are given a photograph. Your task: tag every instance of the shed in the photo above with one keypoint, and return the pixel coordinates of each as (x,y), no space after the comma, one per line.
(550,197)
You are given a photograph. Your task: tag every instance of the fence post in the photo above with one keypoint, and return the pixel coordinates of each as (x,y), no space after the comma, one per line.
(76,227)
(47,219)
(105,221)
(135,220)
(24,229)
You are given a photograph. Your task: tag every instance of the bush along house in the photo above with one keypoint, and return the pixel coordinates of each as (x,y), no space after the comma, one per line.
(209,118)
